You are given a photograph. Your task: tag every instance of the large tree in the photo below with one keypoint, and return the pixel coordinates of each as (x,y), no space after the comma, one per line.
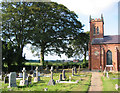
(54,26)
(16,26)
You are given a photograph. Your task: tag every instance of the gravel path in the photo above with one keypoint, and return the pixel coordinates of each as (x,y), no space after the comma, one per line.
(96,82)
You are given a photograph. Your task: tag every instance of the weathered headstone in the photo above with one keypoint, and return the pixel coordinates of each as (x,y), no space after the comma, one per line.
(75,70)
(12,79)
(69,78)
(72,71)
(64,77)
(107,75)
(60,77)
(104,72)
(23,82)
(36,79)
(20,75)
(29,78)
(51,82)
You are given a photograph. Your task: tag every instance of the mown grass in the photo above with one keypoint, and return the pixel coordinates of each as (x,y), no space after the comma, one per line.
(80,86)
(109,83)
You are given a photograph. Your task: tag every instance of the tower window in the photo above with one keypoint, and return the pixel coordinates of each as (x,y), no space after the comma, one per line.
(98,30)
(94,30)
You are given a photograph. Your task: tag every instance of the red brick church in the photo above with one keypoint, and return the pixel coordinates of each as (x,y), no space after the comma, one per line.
(104,51)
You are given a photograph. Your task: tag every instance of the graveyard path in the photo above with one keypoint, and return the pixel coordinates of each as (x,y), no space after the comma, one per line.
(96,82)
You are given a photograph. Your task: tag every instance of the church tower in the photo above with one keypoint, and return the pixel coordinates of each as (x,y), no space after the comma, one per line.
(96,28)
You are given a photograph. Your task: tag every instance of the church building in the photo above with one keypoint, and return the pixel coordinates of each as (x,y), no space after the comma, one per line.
(104,51)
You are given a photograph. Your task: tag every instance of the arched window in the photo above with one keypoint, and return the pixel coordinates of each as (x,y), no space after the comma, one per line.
(94,30)
(109,57)
(98,30)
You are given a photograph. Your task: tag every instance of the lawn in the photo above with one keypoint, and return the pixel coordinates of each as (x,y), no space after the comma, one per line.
(109,83)
(80,86)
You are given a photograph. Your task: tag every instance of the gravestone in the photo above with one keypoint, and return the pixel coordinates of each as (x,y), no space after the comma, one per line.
(69,78)
(20,75)
(64,77)
(51,82)
(29,78)
(104,72)
(72,71)
(75,70)
(36,79)
(60,77)
(6,79)
(23,82)
(79,68)
(107,75)
(12,79)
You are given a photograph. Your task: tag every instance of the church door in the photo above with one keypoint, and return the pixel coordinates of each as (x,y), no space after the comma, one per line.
(109,57)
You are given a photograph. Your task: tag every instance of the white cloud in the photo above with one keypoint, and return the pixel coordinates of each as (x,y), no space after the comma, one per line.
(87,7)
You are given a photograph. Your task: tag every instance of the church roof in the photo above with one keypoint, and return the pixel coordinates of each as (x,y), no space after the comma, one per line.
(111,39)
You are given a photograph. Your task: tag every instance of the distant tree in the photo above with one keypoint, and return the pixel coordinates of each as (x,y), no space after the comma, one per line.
(54,26)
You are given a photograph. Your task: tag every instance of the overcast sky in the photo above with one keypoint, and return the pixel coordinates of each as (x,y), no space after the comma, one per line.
(85,8)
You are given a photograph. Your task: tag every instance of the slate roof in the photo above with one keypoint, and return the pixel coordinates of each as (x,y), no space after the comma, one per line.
(111,39)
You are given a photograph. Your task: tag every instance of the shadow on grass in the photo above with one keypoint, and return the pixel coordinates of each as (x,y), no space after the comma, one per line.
(31,85)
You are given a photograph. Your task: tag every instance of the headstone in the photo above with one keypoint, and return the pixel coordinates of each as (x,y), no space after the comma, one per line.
(104,72)
(45,89)
(69,78)
(64,77)
(111,69)
(36,79)
(107,75)
(6,79)
(23,82)
(72,71)
(51,82)
(12,79)
(75,70)
(20,75)
(38,74)
(60,77)
(29,78)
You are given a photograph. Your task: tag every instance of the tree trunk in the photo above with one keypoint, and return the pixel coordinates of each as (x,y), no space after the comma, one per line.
(42,56)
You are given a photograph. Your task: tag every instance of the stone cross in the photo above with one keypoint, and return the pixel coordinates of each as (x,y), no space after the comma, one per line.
(36,79)
(64,77)
(60,77)
(23,73)
(12,79)
(23,82)
(51,70)
(51,82)
(72,71)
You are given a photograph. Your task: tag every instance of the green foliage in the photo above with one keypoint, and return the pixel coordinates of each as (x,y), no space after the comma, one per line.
(80,45)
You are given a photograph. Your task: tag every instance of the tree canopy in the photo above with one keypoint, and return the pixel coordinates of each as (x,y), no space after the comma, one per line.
(48,26)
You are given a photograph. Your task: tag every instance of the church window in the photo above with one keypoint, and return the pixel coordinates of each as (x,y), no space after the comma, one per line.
(109,57)
(98,30)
